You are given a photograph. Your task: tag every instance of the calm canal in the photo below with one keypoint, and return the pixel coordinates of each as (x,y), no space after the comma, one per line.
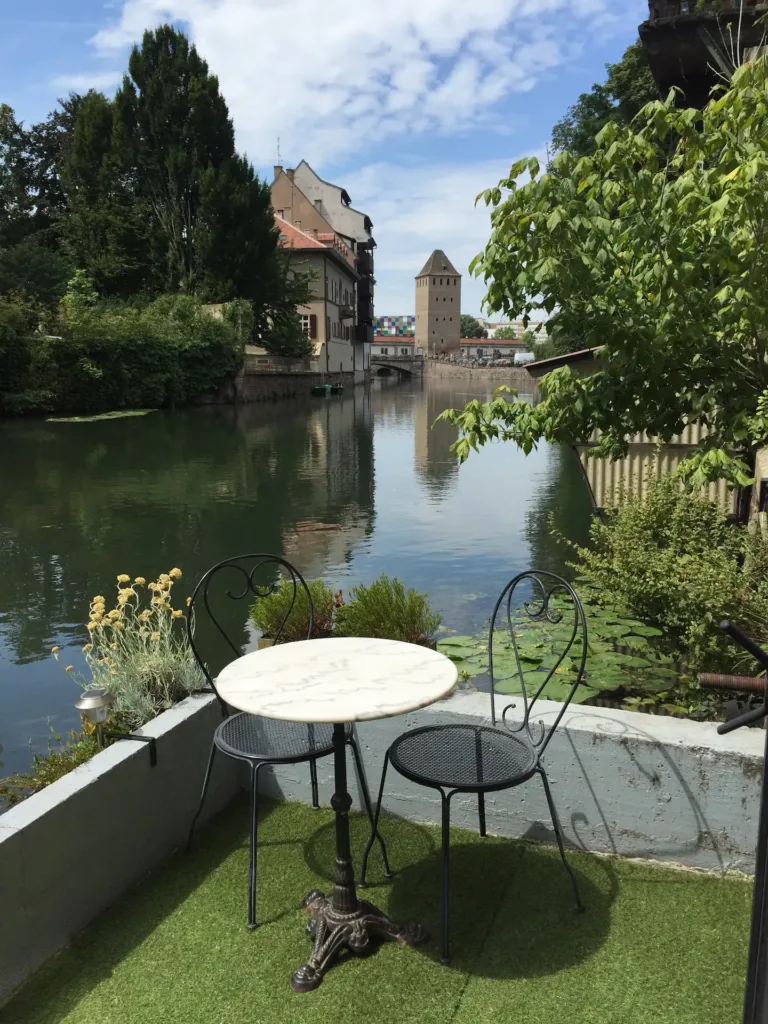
(346,488)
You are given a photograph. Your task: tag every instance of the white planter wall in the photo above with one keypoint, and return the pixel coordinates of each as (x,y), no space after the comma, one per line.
(627,783)
(67,853)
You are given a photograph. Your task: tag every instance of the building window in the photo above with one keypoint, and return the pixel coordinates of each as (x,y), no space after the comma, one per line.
(403,351)
(479,351)
(327,327)
(385,351)
(434,280)
(305,323)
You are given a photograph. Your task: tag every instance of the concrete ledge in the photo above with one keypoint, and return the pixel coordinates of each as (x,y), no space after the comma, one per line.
(67,853)
(625,783)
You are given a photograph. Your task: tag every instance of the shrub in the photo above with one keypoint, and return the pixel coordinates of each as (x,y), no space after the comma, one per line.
(386,610)
(106,356)
(138,650)
(61,758)
(673,560)
(273,611)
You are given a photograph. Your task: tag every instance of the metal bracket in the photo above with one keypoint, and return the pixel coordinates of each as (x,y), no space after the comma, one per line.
(135,736)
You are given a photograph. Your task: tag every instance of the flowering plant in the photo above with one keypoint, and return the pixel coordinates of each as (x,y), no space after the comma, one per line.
(138,651)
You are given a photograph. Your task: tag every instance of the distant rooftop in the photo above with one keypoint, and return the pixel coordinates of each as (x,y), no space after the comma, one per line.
(438,263)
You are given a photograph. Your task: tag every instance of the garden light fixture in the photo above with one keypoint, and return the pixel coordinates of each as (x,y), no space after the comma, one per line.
(95,706)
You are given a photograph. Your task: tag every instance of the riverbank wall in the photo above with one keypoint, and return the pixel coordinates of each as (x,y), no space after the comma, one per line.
(268,378)
(515,377)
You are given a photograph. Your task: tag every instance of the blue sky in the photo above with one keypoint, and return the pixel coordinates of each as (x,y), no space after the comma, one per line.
(414,106)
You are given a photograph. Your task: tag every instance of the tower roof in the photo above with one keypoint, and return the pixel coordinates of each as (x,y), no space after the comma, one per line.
(438,263)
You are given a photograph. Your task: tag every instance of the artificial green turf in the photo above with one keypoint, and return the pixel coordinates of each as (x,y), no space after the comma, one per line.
(657,946)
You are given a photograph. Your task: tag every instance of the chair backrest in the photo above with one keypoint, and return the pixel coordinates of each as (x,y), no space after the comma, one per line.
(243,579)
(538,635)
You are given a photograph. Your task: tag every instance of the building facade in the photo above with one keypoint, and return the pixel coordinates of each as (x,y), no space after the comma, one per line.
(394,345)
(491,348)
(320,209)
(395,326)
(329,317)
(438,307)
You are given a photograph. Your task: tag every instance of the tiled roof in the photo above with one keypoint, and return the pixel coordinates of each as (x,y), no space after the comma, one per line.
(294,238)
(438,263)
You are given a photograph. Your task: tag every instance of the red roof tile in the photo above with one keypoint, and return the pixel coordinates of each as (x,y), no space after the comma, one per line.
(294,238)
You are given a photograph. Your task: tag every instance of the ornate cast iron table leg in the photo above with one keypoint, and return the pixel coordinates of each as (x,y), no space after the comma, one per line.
(344,921)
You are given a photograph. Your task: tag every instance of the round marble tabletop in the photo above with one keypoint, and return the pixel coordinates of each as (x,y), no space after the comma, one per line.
(339,679)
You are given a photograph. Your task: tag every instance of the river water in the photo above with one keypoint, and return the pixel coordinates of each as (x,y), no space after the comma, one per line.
(345,487)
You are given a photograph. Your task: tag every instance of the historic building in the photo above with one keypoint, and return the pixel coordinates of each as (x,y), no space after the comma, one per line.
(438,307)
(324,211)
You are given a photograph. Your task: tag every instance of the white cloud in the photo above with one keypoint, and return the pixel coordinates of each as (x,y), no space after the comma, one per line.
(340,74)
(84,82)
(417,209)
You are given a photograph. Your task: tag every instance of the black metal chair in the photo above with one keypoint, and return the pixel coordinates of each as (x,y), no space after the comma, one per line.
(483,759)
(250,738)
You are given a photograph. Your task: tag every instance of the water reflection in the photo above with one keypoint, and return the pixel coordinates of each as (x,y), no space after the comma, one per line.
(345,487)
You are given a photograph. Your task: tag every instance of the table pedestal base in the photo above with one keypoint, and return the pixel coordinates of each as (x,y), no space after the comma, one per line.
(356,931)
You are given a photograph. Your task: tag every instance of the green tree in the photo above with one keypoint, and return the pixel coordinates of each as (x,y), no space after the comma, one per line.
(211,210)
(16,205)
(660,262)
(287,337)
(505,333)
(108,228)
(628,88)
(472,328)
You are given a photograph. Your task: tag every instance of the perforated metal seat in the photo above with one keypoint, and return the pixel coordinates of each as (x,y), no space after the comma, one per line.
(482,758)
(267,739)
(463,757)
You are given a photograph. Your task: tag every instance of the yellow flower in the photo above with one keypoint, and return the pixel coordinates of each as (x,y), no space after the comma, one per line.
(164,577)
(114,646)
(87,648)
(114,614)
(144,615)
(123,578)
(96,615)
(175,574)
(152,586)
(54,650)
(178,613)
(93,625)
(119,625)
(122,597)
(140,580)
(157,600)
(69,668)
(98,599)
(155,636)
(104,661)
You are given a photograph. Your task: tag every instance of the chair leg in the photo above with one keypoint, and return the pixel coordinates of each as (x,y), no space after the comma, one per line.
(254,846)
(374,826)
(559,837)
(363,783)
(481,813)
(206,780)
(313,783)
(445,955)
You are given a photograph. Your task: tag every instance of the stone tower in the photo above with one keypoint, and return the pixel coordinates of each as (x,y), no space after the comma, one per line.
(438,307)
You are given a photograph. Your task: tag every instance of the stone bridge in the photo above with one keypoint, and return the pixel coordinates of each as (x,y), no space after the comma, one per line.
(406,366)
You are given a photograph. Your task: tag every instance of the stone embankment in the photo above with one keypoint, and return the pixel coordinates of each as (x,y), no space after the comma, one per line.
(516,377)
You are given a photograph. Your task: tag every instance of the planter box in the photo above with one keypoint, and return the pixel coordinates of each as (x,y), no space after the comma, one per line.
(68,852)
(625,783)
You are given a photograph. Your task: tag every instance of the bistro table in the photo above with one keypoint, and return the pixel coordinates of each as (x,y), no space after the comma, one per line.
(339,680)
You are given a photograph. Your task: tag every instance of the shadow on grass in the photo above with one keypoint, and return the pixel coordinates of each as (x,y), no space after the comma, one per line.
(92,956)
(512,907)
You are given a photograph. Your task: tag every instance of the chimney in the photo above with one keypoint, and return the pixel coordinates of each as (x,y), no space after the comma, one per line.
(277,170)
(289,172)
